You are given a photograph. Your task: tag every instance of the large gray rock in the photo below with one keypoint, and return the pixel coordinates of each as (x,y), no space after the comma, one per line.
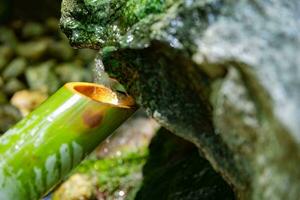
(223,74)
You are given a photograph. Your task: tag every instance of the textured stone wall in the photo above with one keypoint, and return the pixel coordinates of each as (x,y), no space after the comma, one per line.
(222,74)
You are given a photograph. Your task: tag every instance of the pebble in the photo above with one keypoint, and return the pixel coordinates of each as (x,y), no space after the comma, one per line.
(13,85)
(15,68)
(9,115)
(60,50)
(32,30)
(71,72)
(26,100)
(42,77)
(35,60)
(33,50)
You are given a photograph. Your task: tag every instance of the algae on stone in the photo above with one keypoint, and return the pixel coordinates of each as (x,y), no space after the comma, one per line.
(108,178)
(114,171)
(223,74)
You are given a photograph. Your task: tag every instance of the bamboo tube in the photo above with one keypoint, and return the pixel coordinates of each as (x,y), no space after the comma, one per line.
(42,148)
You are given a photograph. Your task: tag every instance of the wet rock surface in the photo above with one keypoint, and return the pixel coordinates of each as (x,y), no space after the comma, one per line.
(222,74)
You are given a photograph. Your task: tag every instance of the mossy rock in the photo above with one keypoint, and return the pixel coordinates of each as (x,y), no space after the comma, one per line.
(222,74)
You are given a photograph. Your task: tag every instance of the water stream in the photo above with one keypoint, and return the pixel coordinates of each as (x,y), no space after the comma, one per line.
(100,76)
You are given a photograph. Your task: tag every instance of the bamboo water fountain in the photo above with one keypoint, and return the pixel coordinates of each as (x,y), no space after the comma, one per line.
(42,148)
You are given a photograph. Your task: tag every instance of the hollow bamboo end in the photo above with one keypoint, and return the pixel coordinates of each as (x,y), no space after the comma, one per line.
(100,93)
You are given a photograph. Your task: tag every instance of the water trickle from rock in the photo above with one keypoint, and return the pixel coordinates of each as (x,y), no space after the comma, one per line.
(100,76)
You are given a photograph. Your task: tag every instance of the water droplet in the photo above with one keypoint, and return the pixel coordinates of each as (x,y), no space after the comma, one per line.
(99,66)
(118,153)
(17,147)
(129,38)
(100,76)
(121,193)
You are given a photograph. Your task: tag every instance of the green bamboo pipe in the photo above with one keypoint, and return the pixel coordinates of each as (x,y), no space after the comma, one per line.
(42,148)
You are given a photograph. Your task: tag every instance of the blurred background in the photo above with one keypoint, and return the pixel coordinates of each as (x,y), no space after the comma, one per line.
(35,57)
(35,60)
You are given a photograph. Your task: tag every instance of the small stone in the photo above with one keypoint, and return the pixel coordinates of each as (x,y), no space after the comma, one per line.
(8,37)
(3,98)
(33,49)
(15,68)
(9,115)
(63,37)
(32,30)
(1,81)
(3,62)
(78,187)
(6,52)
(42,77)
(26,100)
(61,50)
(52,24)
(13,85)
(86,55)
(68,72)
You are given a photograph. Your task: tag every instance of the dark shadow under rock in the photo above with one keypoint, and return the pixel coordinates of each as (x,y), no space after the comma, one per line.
(175,170)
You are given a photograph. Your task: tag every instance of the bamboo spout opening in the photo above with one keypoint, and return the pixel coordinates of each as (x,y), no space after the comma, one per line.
(101,94)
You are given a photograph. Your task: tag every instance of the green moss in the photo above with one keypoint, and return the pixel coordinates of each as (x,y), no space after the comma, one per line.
(95,23)
(115,174)
(170,55)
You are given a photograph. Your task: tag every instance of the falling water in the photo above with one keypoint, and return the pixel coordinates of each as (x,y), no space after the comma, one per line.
(100,76)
